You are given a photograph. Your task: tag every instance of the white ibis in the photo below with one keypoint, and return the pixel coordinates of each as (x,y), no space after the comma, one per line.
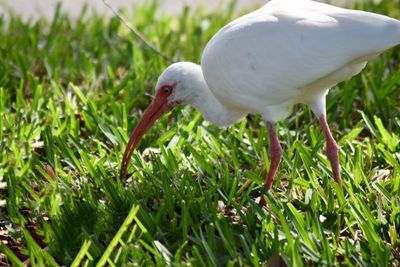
(285,53)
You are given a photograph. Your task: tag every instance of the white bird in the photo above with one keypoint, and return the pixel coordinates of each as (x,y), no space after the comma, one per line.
(285,53)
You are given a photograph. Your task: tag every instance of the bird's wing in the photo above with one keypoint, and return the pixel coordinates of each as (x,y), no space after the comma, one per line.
(267,56)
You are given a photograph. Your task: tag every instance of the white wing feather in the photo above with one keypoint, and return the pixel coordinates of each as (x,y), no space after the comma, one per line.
(273,55)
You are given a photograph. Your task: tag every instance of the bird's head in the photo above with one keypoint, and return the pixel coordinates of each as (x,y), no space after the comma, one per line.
(177,84)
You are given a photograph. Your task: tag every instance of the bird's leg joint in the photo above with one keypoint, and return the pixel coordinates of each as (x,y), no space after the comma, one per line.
(332,149)
(276,152)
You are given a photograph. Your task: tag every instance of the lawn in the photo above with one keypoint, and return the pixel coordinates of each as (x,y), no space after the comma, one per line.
(71,91)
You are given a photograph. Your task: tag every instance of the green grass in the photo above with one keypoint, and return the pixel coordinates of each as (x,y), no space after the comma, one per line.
(71,92)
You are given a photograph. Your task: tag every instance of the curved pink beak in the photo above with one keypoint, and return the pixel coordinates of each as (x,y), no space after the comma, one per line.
(156,108)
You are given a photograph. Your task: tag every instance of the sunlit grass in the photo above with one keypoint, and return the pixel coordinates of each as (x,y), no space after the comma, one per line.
(70,93)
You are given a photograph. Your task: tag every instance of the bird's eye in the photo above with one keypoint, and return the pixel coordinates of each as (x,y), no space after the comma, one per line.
(166,89)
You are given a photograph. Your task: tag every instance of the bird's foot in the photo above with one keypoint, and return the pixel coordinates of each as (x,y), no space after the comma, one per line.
(262,203)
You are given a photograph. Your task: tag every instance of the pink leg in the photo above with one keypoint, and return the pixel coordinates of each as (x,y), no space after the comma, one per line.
(332,150)
(275,154)
(275,151)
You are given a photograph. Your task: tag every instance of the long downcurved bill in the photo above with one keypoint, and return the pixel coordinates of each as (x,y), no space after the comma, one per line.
(150,115)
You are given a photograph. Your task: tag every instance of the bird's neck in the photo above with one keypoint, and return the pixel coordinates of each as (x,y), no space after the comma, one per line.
(210,106)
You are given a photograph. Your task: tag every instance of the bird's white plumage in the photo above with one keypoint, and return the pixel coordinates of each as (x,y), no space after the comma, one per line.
(287,52)
(292,51)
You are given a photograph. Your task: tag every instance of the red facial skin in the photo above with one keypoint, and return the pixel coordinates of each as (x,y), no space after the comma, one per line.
(157,107)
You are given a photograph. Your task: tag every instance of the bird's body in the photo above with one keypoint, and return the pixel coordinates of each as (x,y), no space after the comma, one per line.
(291,52)
(287,52)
